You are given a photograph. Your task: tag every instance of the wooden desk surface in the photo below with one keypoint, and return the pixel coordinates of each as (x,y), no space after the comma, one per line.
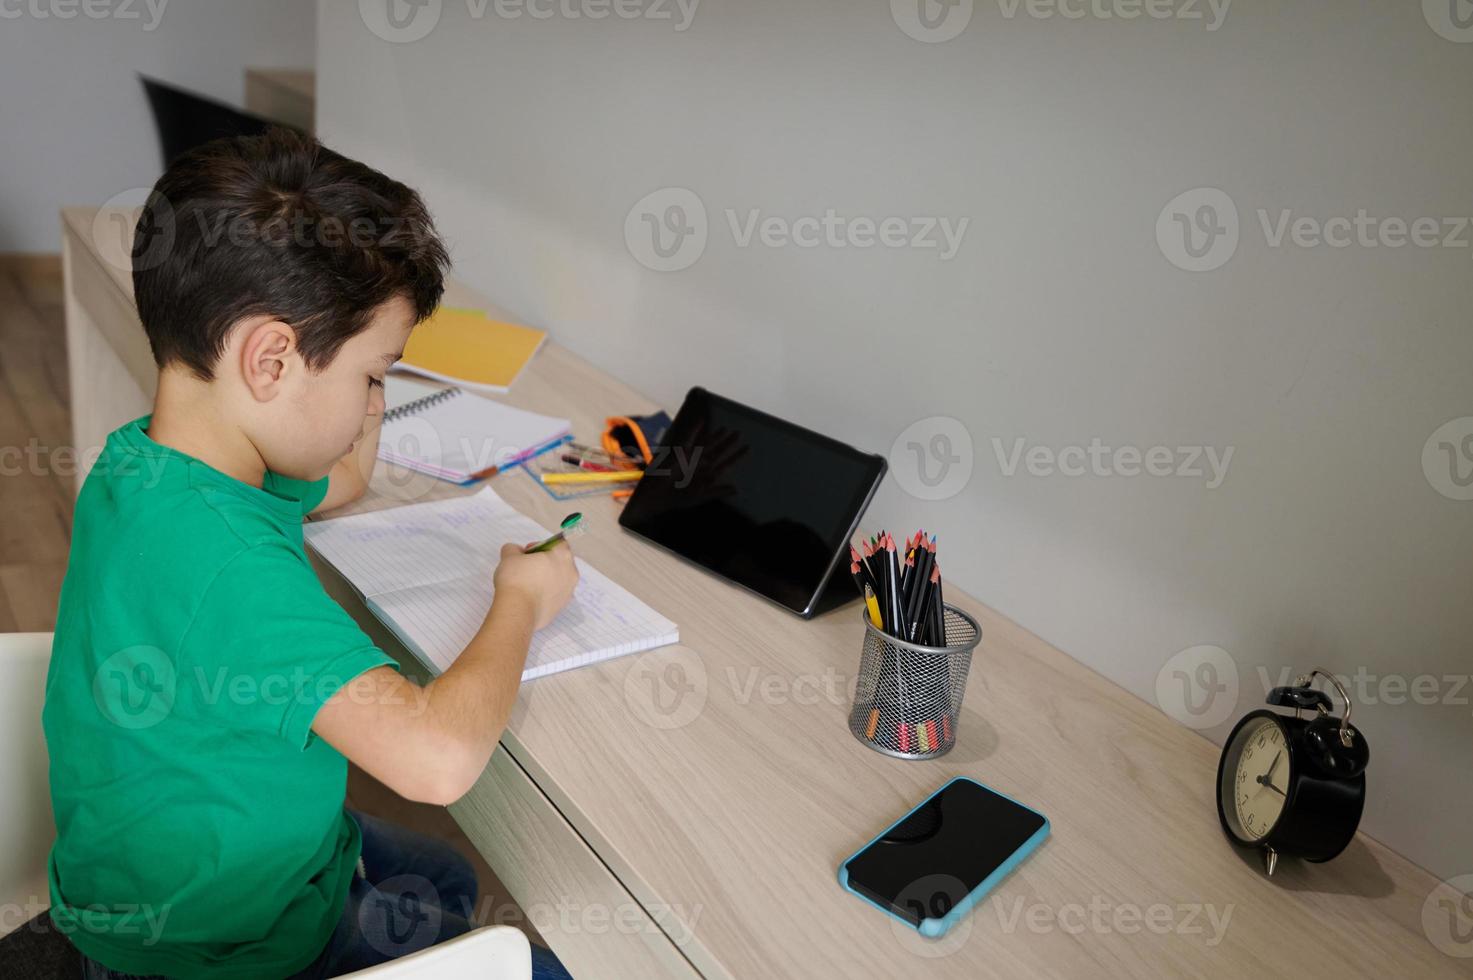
(718,781)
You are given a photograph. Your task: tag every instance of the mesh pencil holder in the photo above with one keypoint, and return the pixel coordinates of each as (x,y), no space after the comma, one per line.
(908,696)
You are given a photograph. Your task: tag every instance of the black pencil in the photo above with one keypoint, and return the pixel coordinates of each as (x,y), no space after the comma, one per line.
(940,611)
(922,588)
(896,612)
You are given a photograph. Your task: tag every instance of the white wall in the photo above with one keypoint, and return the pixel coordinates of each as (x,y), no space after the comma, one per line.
(1059,320)
(74,125)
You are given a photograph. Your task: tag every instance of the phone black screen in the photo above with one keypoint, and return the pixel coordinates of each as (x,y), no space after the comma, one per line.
(927,863)
(759,501)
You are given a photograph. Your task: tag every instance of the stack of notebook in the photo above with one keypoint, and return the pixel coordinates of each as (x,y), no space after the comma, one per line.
(455,435)
(426,571)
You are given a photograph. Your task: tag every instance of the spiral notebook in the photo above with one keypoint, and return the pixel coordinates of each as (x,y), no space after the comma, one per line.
(425,570)
(453,434)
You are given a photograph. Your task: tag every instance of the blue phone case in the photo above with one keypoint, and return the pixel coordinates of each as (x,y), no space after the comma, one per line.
(933,928)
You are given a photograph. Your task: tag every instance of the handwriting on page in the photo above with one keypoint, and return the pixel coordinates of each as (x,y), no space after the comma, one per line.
(427,569)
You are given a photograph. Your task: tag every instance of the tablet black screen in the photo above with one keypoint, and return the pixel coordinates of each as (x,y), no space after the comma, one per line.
(762,502)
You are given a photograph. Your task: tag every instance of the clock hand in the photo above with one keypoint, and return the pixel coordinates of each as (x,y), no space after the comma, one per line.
(1275,764)
(1268,783)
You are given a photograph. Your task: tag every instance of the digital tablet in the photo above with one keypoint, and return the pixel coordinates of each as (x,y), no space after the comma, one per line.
(765,504)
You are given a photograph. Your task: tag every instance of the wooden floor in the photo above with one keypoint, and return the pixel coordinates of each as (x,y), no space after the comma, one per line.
(36,496)
(35,482)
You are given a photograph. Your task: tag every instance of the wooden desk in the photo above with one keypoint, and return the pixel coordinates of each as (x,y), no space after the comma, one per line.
(683,812)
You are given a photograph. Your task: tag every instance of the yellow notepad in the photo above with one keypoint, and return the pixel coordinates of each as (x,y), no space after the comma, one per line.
(469,348)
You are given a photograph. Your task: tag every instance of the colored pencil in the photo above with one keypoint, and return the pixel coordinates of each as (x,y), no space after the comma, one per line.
(582,476)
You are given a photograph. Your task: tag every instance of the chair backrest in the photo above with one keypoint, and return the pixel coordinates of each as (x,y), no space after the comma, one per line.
(26,827)
(490,953)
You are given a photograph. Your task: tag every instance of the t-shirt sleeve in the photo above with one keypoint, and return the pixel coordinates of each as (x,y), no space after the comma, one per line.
(268,646)
(310,492)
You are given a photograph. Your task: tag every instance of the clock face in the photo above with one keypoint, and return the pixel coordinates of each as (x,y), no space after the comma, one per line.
(1255,779)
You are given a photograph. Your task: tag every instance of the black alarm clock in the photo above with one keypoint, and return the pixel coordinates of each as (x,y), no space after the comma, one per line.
(1294,785)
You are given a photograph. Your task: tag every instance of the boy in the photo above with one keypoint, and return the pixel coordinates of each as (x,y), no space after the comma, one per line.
(204,691)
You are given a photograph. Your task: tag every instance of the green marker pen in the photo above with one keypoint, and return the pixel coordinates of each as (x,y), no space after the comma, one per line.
(572,525)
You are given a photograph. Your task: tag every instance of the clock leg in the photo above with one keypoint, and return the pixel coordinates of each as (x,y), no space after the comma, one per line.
(1270,860)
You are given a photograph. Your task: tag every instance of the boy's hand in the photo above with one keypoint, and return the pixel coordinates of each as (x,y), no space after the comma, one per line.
(545,579)
(348,479)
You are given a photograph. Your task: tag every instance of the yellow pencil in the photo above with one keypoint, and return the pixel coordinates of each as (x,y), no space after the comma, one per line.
(584,476)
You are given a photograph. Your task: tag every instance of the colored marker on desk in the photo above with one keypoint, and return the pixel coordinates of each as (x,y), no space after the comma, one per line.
(573,459)
(591,477)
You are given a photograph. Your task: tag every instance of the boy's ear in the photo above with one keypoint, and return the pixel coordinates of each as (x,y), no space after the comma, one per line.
(269,348)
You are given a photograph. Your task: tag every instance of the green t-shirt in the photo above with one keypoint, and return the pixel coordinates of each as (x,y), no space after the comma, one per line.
(200,823)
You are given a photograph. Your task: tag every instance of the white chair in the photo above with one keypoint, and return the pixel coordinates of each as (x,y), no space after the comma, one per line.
(498,952)
(27,830)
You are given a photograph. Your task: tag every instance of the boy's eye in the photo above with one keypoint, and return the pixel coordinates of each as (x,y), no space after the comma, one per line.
(375,382)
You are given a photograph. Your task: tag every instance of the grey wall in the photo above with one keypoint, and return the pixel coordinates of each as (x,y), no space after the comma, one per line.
(1061,319)
(74,125)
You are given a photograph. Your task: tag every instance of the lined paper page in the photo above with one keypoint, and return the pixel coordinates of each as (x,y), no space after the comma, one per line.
(426,572)
(461,433)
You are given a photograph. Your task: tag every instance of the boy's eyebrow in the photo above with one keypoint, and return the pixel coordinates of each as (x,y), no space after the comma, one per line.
(393,356)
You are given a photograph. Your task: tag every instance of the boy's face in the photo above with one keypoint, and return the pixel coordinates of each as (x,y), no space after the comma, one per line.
(310,421)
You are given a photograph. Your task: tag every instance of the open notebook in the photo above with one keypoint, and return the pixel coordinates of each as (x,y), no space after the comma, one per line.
(425,570)
(453,434)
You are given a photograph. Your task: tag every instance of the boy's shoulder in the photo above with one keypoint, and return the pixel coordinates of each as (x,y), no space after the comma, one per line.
(163,505)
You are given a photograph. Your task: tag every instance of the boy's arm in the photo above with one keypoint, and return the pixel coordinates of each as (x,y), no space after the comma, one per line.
(431,743)
(348,478)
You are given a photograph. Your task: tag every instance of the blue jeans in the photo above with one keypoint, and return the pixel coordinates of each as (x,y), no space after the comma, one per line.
(418,892)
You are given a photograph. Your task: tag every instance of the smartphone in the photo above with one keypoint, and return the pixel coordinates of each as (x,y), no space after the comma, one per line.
(930,867)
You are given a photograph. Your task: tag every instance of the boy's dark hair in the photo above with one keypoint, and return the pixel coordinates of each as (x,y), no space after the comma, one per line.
(279,225)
